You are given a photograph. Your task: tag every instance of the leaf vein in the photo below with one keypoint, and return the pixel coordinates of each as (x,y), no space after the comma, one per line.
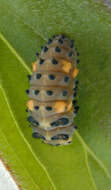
(86,147)
(28,145)
(19,159)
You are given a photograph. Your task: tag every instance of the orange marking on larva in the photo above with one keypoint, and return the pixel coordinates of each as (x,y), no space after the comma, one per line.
(30,105)
(66,66)
(75,72)
(60,106)
(69,106)
(34,66)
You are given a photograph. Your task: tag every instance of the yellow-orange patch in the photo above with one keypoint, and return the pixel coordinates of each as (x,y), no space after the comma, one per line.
(34,66)
(69,106)
(75,72)
(30,105)
(66,66)
(60,106)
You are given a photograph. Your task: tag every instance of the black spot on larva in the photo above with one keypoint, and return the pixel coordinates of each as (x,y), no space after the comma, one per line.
(62,36)
(64,93)
(38,76)
(60,41)
(64,136)
(41,61)
(78,61)
(29,77)
(60,137)
(71,44)
(55,137)
(75,127)
(54,61)
(49,92)
(49,41)
(45,49)
(78,53)
(36,107)
(30,119)
(53,36)
(37,135)
(55,123)
(57,49)
(51,77)
(26,110)
(75,86)
(48,108)
(42,137)
(76,82)
(35,122)
(37,54)
(69,142)
(76,109)
(75,89)
(74,94)
(27,91)
(70,54)
(36,92)
(74,102)
(64,121)
(66,78)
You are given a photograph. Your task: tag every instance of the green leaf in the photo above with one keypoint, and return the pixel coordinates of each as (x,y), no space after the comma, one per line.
(25,26)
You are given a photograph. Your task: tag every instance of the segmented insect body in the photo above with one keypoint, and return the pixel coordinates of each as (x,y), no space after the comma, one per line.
(52,88)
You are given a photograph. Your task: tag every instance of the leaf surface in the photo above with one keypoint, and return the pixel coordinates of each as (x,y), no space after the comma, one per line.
(27,25)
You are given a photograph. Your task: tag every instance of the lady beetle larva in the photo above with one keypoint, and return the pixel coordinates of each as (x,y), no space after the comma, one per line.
(52,88)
